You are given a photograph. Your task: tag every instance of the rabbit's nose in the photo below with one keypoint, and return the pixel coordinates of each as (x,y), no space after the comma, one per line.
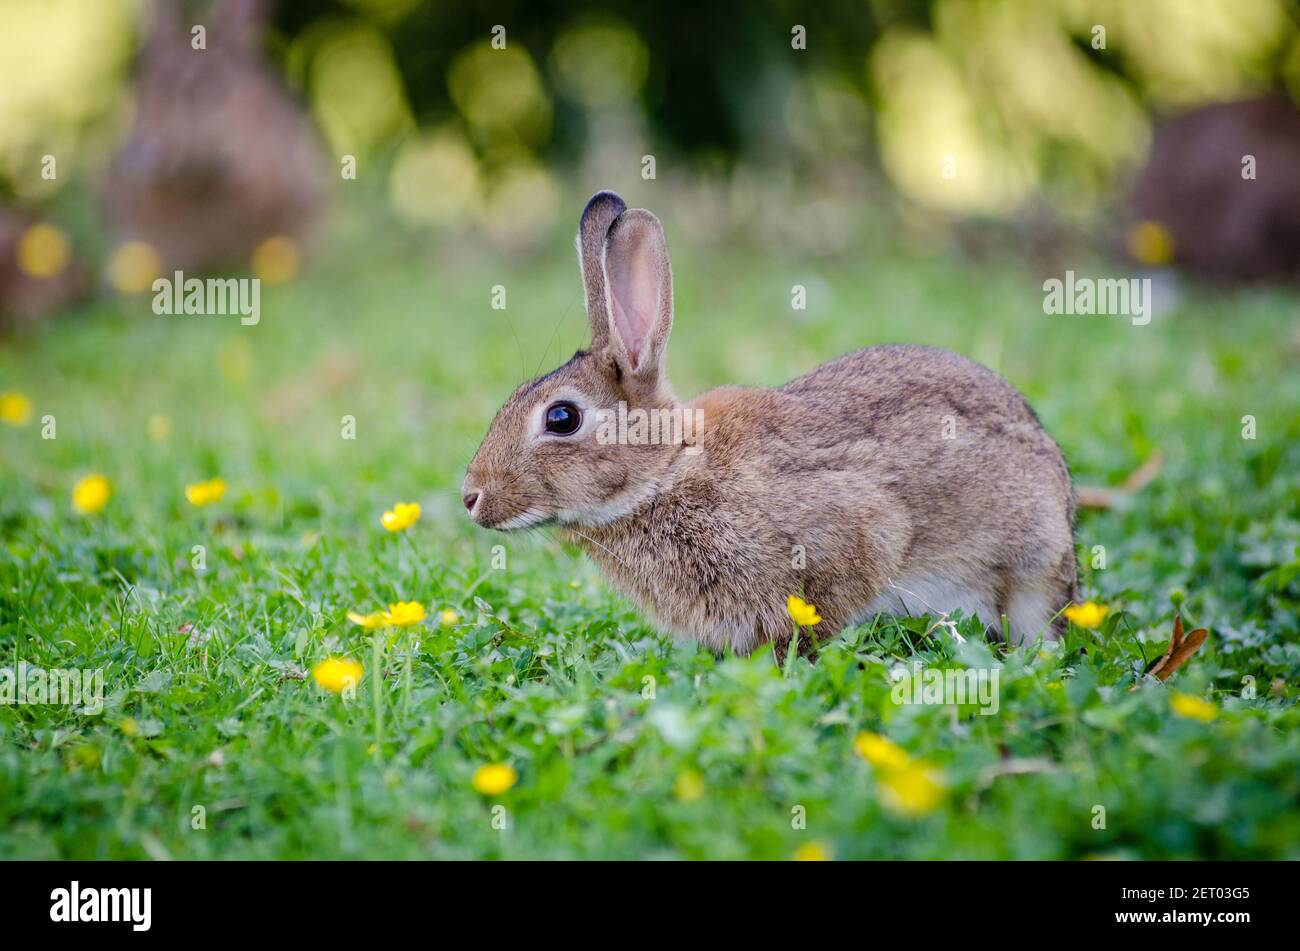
(470,499)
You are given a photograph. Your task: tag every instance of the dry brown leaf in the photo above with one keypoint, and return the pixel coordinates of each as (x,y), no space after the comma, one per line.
(1180,649)
(1105,497)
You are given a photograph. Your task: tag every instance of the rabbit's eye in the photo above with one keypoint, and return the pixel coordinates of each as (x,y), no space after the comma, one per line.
(563,419)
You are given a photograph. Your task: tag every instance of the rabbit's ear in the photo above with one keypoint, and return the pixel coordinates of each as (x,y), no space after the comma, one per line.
(594,224)
(639,284)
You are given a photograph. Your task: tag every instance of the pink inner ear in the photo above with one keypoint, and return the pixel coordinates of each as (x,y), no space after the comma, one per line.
(634,290)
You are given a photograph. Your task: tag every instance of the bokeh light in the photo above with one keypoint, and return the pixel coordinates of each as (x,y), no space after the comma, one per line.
(356,91)
(43,251)
(133,266)
(435,179)
(600,63)
(276,260)
(500,95)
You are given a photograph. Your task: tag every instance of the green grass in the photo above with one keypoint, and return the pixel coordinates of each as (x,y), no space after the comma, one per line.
(206,704)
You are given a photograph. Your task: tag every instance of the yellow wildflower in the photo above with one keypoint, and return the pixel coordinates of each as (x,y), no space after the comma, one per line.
(494,778)
(205,493)
(404,613)
(91,494)
(1088,614)
(880,751)
(812,852)
(368,621)
(15,409)
(804,614)
(336,674)
(401,517)
(911,790)
(448,617)
(1193,707)
(43,251)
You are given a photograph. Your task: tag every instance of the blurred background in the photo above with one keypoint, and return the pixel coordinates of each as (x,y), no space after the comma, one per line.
(807,128)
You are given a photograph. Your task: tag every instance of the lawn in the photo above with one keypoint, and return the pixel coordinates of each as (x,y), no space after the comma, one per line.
(215,742)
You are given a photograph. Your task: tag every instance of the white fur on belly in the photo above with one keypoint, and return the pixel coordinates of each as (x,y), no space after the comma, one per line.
(932,594)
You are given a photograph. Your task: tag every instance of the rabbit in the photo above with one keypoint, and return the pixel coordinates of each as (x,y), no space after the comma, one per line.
(839,487)
(1226,226)
(220,158)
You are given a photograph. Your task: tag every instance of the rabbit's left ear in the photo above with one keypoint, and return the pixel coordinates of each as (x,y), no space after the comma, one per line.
(593,227)
(639,290)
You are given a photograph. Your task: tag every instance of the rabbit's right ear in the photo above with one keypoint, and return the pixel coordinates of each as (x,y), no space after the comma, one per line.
(594,225)
(639,282)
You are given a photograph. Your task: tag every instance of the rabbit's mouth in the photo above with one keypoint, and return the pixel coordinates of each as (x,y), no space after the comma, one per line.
(530,518)
(485,513)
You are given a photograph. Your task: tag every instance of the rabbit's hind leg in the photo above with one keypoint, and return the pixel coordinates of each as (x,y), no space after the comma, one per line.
(1033,609)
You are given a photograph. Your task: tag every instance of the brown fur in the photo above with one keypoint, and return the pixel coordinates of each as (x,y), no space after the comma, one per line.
(847,464)
(1225,228)
(220,158)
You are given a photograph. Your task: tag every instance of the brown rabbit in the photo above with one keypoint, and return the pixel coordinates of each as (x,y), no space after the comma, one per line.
(1225,224)
(220,158)
(897,478)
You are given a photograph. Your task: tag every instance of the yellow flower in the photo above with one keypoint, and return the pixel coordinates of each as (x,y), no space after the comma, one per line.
(1088,614)
(404,613)
(133,267)
(689,785)
(43,251)
(129,727)
(880,751)
(448,617)
(804,614)
(368,621)
(495,778)
(1193,707)
(15,409)
(911,790)
(812,852)
(336,674)
(276,260)
(401,517)
(1150,243)
(205,493)
(91,494)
